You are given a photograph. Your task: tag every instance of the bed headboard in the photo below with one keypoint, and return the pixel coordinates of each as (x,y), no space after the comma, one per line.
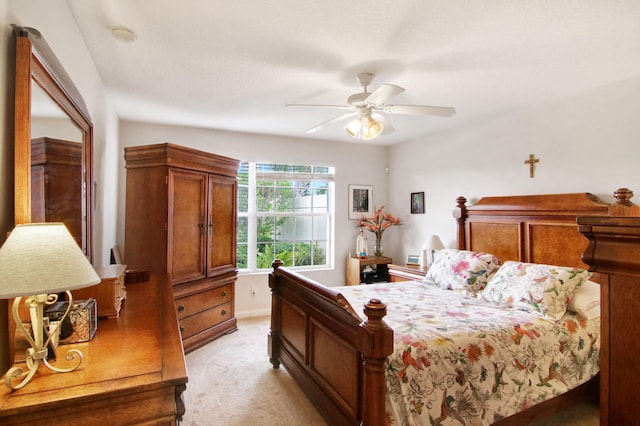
(534,228)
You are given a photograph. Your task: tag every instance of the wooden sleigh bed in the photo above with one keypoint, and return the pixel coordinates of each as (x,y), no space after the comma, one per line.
(337,356)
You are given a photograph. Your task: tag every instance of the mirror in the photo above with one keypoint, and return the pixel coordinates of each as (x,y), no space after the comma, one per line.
(53,142)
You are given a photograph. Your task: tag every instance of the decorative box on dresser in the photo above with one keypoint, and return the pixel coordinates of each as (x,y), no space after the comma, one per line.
(181,220)
(614,252)
(109,293)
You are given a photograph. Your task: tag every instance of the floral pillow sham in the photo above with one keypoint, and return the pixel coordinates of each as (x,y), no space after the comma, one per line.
(461,270)
(544,289)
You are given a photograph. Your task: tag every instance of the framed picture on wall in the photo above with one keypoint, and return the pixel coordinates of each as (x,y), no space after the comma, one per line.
(417,202)
(360,201)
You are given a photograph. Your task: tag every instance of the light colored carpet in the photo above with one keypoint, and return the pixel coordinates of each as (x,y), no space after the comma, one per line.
(232,383)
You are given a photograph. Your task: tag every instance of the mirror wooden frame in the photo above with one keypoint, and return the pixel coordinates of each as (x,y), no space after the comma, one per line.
(36,62)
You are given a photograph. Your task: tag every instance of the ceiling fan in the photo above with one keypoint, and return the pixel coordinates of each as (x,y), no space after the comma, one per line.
(367,108)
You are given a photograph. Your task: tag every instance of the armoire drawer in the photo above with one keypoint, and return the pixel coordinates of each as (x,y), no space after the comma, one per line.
(198,302)
(194,324)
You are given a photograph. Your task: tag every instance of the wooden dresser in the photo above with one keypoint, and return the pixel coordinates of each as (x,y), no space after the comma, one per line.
(181,220)
(133,371)
(614,252)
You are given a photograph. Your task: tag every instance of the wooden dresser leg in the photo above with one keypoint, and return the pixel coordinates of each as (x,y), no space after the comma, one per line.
(180,407)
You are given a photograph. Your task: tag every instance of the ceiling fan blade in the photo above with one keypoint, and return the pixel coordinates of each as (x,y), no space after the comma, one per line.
(419,110)
(388,127)
(383,93)
(333,120)
(321,106)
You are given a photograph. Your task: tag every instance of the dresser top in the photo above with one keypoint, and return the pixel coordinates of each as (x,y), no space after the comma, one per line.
(110,271)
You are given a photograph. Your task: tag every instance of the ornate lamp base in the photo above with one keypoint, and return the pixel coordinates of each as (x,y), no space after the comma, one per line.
(38,351)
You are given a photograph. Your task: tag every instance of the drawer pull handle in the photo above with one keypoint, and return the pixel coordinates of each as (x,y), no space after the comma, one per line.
(181,308)
(224,293)
(181,329)
(224,312)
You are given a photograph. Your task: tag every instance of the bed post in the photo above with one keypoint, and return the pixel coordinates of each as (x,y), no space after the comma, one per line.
(460,215)
(623,205)
(375,343)
(273,338)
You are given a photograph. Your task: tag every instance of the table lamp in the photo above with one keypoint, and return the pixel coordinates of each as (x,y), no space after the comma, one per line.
(38,261)
(429,247)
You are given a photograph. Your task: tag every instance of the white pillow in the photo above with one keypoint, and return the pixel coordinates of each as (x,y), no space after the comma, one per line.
(461,270)
(586,300)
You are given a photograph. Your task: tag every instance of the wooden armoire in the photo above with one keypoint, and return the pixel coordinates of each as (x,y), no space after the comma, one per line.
(181,220)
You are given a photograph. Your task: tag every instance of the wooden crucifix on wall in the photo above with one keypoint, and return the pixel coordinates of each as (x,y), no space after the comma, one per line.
(531,162)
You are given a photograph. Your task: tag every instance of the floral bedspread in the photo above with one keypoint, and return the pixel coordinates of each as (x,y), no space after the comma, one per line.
(461,360)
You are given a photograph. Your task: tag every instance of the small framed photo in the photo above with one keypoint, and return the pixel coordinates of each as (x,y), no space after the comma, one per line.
(413,259)
(417,202)
(360,201)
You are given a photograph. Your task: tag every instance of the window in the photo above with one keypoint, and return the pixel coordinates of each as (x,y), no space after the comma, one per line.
(285,211)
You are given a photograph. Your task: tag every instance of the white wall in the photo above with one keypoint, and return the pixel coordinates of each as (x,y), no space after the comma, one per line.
(56,23)
(355,163)
(589,142)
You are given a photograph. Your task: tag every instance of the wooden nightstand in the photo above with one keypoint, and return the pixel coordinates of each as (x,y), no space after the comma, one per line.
(355,265)
(406,273)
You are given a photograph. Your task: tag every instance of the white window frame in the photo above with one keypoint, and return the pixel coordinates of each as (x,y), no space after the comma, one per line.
(252,214)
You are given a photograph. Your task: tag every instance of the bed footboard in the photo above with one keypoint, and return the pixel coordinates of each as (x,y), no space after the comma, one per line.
(335,357)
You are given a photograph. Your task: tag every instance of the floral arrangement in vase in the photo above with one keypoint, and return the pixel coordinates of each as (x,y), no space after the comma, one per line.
(377,224)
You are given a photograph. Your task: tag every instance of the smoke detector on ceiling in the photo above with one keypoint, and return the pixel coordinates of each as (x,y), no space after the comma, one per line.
(123,34)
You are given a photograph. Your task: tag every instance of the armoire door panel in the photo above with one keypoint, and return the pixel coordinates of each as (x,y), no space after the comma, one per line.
(187,213)
(222,224)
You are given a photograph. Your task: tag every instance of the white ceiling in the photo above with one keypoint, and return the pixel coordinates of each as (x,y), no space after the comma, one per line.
(234,64)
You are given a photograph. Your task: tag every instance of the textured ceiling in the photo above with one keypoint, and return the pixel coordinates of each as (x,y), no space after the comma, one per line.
(234,64)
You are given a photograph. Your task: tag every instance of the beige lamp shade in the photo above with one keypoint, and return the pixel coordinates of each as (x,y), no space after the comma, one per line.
(433,243)
(41,258)
(429,247)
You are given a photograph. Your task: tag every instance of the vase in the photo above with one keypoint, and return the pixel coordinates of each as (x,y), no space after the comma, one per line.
(377,248)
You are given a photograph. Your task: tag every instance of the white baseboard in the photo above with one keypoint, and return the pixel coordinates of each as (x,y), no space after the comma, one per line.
(253,313)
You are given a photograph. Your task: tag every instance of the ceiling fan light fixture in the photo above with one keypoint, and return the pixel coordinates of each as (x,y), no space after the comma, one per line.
(353,128)
(371,128)
(364,128)
(366,103)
